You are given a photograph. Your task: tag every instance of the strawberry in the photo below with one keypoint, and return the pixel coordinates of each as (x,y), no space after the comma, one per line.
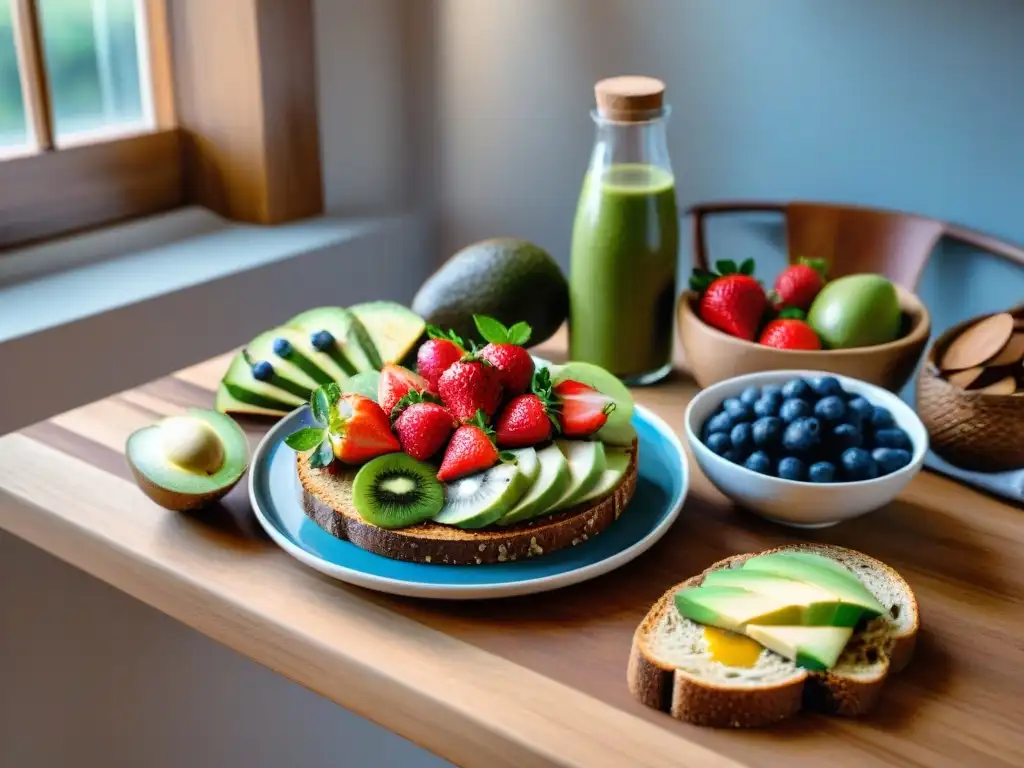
(359,430)
(422,425)
(790,331)
(732,300)
(395,383)
(528,419)
(468,386)
(437,354)
(582,409)
(800,283)
(505,352)
(470,450)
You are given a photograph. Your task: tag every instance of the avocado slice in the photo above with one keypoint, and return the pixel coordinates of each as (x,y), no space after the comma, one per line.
(394,329)
(292,353)
(822,571)
(616,464)
(586,463)
(240,383)
(365,384)
(225,402)
(549,486)
(337,333)
(186,462)
(815,648)
(732,608)
(819,606)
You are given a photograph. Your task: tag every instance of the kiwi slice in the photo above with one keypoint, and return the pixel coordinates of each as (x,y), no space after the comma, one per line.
(479,499)
(396,491)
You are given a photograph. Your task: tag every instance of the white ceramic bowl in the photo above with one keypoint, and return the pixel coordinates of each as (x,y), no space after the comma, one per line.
(801,504)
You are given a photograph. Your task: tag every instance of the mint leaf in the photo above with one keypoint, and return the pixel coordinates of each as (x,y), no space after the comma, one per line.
(305,439)
(747,267)
(322,456)
(519,333)
(492,330)
(320,405)
(726,267)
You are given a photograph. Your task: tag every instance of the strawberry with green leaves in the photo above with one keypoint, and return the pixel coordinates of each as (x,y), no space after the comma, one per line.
(422,424)
(395,383)
(469,386)
(799,284)
(470,450)
(789,331)
(351,428)
(731,299)
(529,419)
(506,353)
(437,354)
(582,410)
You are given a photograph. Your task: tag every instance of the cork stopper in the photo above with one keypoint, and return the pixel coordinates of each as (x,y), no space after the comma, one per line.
(630,98)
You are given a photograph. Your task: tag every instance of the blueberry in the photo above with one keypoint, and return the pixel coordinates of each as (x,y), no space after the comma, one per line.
(893,438)
(846,436)
(738,410)
(861,407)
(262,370)
(767,433)
(793,409)
(858,464)
(830,409)
(741,437)
(719,442)
(733,455)
(759,462)
(772,390)
(720,422)
(802,436)
(797,388)
(322,340)
(750,395)
(767,406)
(881,418)
(890,459)
(824,386)
(282,347)
(791,468)
(822,472)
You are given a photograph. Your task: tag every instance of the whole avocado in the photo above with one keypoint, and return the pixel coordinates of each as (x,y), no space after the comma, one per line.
(505,278)
(856,311)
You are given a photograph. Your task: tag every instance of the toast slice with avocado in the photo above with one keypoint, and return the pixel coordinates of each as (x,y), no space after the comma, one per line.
(673,665)
(327,500)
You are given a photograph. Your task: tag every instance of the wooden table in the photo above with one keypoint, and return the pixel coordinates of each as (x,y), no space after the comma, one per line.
(537,680)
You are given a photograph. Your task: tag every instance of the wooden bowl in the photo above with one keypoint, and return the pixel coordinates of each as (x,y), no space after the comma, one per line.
(714,356)
(971,430)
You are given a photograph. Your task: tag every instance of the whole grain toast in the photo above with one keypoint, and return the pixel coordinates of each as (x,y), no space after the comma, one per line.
(327,499)
(671,670)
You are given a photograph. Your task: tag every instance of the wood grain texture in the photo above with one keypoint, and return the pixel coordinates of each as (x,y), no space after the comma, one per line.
(55,193)
(537,680)
(35,83)
(245,75)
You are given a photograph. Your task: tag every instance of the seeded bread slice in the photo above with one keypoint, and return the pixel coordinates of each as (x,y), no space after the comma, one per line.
(327,499)
(671,669)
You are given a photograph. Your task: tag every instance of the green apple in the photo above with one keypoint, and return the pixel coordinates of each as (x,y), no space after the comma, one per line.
(856,311)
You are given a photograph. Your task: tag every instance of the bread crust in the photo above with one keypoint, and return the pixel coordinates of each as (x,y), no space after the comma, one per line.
(326,499)
(703,702)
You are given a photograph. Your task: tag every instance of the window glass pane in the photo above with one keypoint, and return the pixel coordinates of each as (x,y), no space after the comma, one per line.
(13,130)
(92,56)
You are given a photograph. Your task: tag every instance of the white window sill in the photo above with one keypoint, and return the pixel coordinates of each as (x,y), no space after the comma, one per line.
(101,312)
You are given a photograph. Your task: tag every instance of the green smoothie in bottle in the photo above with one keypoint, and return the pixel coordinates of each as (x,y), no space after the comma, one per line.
(625,240)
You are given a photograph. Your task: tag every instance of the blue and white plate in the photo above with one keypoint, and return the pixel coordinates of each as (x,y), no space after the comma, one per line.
(660,492)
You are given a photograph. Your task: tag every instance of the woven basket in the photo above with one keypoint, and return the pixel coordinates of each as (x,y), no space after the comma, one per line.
(968,429)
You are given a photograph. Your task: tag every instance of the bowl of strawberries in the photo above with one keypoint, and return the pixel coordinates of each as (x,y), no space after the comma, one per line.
(858,325)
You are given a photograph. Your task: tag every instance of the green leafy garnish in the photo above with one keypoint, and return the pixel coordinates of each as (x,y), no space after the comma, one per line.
(542,388)
(495,331)
(306,439)
(410,397)
(322,456)
(323,405)
(701,278)
(434,332)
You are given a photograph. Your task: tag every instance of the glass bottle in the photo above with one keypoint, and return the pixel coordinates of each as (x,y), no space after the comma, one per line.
(625,240)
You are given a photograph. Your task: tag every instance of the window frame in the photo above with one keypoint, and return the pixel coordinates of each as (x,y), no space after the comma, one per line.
(209,64)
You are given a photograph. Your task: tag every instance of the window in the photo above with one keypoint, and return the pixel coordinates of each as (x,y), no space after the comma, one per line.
(91,130)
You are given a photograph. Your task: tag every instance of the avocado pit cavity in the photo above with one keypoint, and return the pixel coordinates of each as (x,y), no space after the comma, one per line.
(192,444)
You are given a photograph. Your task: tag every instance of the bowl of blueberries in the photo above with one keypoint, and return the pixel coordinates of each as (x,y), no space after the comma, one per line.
(807,449)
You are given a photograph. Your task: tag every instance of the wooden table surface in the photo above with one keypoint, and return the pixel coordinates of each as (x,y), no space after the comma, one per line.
(537,680)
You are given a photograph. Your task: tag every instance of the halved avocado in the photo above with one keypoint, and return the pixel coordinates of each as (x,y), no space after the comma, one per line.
(394,329)
(293,355)
(243,387)
(189,461)
(337,333)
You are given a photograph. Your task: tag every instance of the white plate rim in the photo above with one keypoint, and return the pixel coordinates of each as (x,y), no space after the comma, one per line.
(476,591)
